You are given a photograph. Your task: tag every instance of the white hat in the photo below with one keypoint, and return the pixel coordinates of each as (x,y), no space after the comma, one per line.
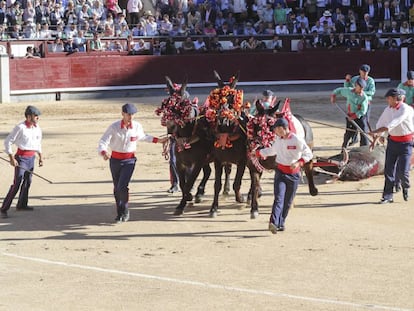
(327,13)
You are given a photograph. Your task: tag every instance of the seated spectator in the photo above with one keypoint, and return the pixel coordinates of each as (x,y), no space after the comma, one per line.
(183,31)
(328,41)
(302,29)
(209,30)
(302,44)
(109,31)
(352,43)
(156,47)
(200,45)
(318,27)
(251,44)
(95,44)
(30,53)
(168,47)
(197,30)
(315,40)
(270,29)
(165,26)
(215,45)
(281,29)
(29,30)
(235,44)
(70,46)
(174,30)
(340,41)
(274,44)
(391,44)
(219,20)
(45,32)
(224,30)
(249,30)
(405,28)
(123,32)
(139,30)
(115,46)
(151,26)
(58,46)
(140,48)
(80,41)
(193,18)
(187,46)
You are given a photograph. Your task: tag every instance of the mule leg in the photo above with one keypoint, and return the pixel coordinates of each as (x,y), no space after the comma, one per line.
(201,187)
(227,171)
(237,182)
(254,193)
(185,194)
(218,167)
(309,176)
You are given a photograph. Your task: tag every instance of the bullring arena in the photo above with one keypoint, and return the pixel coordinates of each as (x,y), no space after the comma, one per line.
(341,250)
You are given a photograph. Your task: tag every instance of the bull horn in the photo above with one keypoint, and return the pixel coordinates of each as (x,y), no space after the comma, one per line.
(345,158)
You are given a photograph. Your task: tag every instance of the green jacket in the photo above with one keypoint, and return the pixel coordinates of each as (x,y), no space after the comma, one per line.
(409,92)
(369,90)
(355,103)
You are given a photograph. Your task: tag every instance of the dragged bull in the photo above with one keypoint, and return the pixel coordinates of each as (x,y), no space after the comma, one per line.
(355,164)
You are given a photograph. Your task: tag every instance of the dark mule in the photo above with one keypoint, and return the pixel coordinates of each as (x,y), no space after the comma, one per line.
(260,135)
(223,109)
(194,140)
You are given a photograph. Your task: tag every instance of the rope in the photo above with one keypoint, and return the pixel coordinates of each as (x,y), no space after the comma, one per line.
(166,150)
(331,125)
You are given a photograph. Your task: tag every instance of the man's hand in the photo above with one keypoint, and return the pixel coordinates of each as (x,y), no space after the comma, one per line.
(352,116)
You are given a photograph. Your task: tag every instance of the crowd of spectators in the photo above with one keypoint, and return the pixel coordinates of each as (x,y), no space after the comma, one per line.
(78,25)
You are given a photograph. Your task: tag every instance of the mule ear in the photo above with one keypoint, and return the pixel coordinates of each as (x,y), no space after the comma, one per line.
(218,79)
(275,108)
(169,85)
(184,86)
(235,80)
(259,107)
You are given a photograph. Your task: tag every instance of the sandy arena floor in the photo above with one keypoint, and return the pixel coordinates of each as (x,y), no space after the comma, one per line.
(341,250)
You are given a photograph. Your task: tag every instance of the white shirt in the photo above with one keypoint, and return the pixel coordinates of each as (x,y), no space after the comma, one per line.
(400,122)
(121,139)
(24,137)
(288,150)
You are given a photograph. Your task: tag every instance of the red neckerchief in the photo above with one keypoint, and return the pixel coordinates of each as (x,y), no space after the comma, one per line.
(123,126)
(398,106)
(29,124)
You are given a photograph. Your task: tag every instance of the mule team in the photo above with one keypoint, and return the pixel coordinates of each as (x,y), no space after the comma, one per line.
(223,131)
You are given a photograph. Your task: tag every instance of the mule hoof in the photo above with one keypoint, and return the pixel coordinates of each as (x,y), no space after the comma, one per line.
(226,192)
(198,199)
(190,204)
(178,211)
(240,199)
(314,192)
(213,214)
(254,214)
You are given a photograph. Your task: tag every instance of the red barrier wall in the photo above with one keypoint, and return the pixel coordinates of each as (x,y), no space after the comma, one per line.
(102,69)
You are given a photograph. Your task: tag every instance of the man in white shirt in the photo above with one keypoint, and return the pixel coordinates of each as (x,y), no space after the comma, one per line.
(291,153)
(121,139)
(398,120)
(27,136)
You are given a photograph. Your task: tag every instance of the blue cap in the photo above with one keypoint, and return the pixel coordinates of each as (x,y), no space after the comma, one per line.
(410,75)
(267,93)
(394,92)
(361,82)
(282,122)
(129,108)
(365,68)
(32,110)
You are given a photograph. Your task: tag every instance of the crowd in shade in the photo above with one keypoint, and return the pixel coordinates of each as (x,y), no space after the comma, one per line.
(70,24)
